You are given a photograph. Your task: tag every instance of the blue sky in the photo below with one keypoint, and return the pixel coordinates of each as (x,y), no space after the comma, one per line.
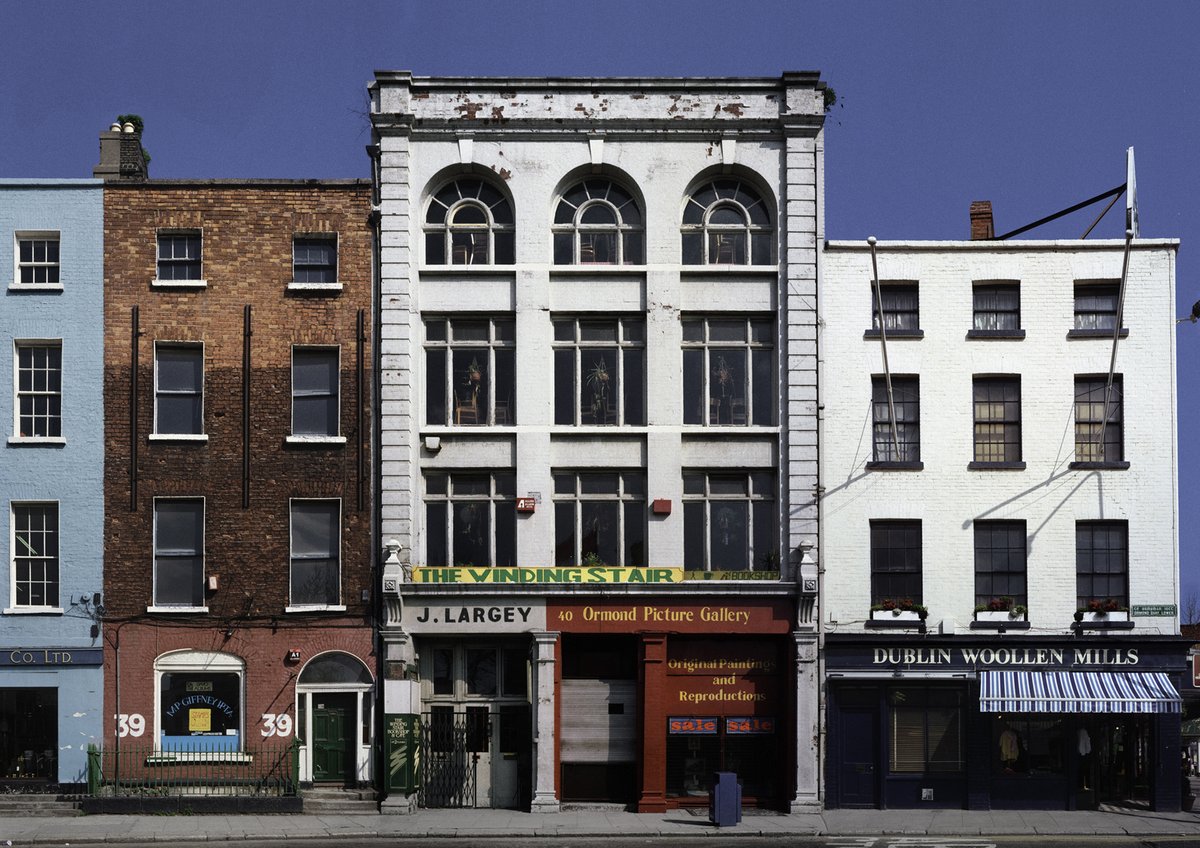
(1028,104)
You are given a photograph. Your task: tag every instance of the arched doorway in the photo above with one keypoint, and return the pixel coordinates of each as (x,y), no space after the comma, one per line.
(334,701)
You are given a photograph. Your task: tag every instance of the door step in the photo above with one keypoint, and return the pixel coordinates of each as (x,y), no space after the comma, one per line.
(42,806)
(341,801)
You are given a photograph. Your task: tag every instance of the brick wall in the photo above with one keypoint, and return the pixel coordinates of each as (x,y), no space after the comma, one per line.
(247,260)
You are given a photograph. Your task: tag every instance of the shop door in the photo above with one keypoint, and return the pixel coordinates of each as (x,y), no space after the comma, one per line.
(333,737)
(858,742)
(28,736)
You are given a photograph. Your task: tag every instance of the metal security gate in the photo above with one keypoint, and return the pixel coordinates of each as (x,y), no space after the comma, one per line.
(451,748)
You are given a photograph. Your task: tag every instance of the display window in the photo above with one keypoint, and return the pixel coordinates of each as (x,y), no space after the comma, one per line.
(698,746)
(200,702)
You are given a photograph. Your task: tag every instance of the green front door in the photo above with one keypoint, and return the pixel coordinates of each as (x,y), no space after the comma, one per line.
(333,736)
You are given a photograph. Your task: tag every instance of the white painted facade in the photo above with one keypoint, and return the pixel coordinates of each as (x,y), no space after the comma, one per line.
(533,139)
(1047,494)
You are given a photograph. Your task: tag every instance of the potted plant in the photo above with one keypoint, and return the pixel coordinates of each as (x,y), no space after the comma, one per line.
(1002,609)
(899,609)
(598,381)
(1102,610)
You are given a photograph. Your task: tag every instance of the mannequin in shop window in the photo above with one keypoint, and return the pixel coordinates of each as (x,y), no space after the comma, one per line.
(1010,748)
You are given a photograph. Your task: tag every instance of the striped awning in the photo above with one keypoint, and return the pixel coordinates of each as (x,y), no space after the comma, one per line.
(1077,692)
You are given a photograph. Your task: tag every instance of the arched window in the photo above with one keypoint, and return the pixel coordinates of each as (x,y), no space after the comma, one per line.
(469,222)
(335,668)
(726,222)
(597,223)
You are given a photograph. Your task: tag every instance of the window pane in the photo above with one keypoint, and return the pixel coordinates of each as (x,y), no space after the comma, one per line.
(693,387)
(600,389)
(727,386)
(635,408)
(481,671)
(635,534)
(443,671)
(729,536)
(471,533)
(515,666)
(505,385)
(564,534)
(601,531)
(693,536)
(179,414)
(179,369)
(435,386)
(506,534)
(564,387)
(764,387)
(435,529)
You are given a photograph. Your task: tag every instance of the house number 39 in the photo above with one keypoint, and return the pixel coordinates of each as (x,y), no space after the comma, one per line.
(276,724)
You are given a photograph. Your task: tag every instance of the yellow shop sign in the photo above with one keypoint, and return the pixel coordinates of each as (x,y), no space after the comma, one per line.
(590,574)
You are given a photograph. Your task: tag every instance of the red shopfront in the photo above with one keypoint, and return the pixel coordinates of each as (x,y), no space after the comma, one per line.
(653,695)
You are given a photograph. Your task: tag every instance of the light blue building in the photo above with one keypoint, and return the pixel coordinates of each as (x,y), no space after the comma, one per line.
(51,478)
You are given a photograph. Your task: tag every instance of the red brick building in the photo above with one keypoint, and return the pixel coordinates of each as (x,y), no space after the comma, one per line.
(238,556)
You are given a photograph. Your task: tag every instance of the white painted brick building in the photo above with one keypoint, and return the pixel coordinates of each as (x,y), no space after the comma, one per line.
(996,495)
(598,296)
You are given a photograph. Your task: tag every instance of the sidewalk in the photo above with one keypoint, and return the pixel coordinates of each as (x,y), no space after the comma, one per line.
(85,830)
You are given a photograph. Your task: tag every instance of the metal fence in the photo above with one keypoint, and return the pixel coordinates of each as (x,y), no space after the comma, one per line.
(268,770)
(450,745)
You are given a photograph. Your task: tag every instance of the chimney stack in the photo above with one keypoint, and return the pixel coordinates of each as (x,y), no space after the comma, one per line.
(981,220)
(121,155)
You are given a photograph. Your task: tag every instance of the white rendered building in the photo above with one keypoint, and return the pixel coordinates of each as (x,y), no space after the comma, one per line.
(598,436)
(995,552)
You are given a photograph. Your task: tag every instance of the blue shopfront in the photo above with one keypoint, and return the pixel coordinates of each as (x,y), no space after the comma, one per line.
(1017,723)
(50,711)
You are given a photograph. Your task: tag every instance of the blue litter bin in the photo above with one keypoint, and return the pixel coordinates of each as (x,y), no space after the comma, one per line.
(725,799)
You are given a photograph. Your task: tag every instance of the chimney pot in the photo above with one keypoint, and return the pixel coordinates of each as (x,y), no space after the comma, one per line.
(981,220)
(115,127)
(127,127)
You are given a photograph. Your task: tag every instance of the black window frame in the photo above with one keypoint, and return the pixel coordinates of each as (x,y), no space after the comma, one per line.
(901,308)
(1089,397)
(996,318)
(906,400)
(904,558)
(447,496)
(1001,562)
(1101,566)
(1096,304)
(996,421)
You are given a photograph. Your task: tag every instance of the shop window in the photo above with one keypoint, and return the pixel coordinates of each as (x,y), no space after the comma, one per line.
(597,222)
(895,561)
(900,304)
(1095,440)
(1028,746)
(199,702)
(29,743)
(471,519)
(729,371)
(726,222)
(470,372)
(730,522)
(465,672)
(906,401)
(996,307)
(1000,562)
(599,371)
(697,746)
(1101,562)
(925,726)
(997,410)
(600,518)
(469,222)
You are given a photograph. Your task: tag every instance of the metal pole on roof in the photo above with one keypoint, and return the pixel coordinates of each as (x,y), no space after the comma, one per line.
(1120,322)
(887,374)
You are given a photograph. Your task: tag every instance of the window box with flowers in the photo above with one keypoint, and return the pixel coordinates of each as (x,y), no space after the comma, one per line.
(1001,610)
(898,609)
(1102,611)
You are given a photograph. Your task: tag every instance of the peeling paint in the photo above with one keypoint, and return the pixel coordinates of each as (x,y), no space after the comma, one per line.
(503,173)
(734,109)
(420,95)
(497,113)
(469,110)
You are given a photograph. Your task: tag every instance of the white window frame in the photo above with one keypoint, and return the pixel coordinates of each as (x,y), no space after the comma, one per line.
(25,609)
(335,607)
(335,438)
(159,435)
(188,661)
(16,438)
(332,286)
(35,235)
(177,608)
(576,499)
(158,282)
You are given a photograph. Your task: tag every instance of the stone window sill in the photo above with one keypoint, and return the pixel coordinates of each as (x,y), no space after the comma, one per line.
(33,611)
(38,441)
(1002,335)
(36,287)
(995,466)
(179,284)
(895,334)
(178,437)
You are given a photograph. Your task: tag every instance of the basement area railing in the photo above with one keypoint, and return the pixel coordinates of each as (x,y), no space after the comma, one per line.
(131,771)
